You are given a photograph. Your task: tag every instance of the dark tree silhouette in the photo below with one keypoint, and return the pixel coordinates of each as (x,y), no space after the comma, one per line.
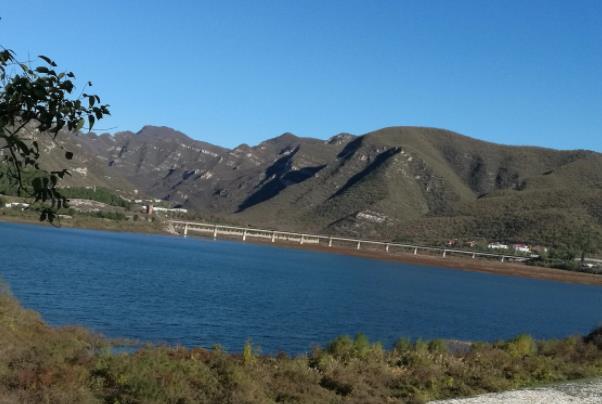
(42,98)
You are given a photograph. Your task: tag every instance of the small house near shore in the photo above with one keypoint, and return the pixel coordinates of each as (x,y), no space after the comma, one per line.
(521,248)
(16,205)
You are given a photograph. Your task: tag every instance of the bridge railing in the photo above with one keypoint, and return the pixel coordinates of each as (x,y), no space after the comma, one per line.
(308,238)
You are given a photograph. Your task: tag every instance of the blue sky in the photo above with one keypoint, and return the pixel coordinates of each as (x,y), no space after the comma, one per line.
(231,72)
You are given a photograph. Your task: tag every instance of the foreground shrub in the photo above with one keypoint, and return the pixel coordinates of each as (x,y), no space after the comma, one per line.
(62,365)
(249,355)
(522,345)
(595,337)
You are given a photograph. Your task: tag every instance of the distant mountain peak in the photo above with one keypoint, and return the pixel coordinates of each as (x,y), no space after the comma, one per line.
(242,146)
(160,131)
(340,138)
(286,137)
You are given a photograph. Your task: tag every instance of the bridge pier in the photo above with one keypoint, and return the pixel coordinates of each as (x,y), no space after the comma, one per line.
(330,242)
(244,235)
(444,253)
(215,232)
(503,258)
(415,251)
(273,236)
(302,239)
(186,230)
(358,244)
(387,248)
(474,255)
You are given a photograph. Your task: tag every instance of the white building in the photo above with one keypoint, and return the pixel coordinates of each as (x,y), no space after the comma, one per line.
(498,246)
(17,205)
(170,210)
(150,209)
(522,248)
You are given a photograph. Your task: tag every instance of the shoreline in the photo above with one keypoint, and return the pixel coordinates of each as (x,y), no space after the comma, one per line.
(447,263)
(94,224)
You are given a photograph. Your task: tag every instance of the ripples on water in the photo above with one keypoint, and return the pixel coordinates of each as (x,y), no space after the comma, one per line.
(199,292)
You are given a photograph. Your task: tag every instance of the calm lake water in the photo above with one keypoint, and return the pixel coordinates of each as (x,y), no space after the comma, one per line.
(201,292)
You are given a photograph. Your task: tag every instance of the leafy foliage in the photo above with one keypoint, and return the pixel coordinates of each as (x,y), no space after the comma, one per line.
(39,99)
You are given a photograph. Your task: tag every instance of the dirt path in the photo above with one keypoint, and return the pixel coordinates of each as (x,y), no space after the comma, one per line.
(586,392)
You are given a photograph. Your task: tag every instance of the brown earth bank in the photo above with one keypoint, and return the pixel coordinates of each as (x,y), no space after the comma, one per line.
(449,262)
(90,223)
(480,265)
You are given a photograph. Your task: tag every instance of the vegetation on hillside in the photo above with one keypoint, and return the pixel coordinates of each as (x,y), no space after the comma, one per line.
(563,219)
(39,363)
(95,194)
(8,187)
(417,184)
(98,194)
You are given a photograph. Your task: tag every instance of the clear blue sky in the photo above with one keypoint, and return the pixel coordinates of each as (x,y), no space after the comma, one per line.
(230,72)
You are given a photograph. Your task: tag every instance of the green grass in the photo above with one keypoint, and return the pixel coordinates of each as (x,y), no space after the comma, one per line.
(39,363)
(95,194)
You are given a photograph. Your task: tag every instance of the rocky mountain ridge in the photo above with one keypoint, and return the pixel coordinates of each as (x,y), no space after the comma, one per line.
(393,183)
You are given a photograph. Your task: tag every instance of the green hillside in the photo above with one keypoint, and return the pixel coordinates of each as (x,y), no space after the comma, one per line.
(433,185)
(398,183)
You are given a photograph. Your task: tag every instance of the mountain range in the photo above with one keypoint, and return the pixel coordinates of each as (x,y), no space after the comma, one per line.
(398,183)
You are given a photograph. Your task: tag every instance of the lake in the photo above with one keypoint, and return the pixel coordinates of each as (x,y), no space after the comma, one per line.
(198,292)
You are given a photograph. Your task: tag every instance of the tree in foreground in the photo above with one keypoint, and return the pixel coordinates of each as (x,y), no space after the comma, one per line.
(39,98)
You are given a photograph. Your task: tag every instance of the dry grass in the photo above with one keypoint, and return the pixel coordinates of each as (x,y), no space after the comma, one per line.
(42,364)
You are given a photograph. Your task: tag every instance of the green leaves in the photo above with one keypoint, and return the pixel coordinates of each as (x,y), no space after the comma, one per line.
(47,60)
(40,98)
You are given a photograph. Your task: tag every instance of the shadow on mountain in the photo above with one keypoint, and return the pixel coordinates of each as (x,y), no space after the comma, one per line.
(272,187)
(281,165)
(378,161)
(350,148)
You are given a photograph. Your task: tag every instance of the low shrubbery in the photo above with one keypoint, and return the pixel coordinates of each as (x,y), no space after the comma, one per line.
(96,194)
(44,364)
(109,215)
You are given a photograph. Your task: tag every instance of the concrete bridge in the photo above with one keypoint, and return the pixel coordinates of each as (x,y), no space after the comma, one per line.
(215,230)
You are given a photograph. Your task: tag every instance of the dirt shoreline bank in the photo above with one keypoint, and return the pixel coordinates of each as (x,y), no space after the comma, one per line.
(449,262)
(96,224)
